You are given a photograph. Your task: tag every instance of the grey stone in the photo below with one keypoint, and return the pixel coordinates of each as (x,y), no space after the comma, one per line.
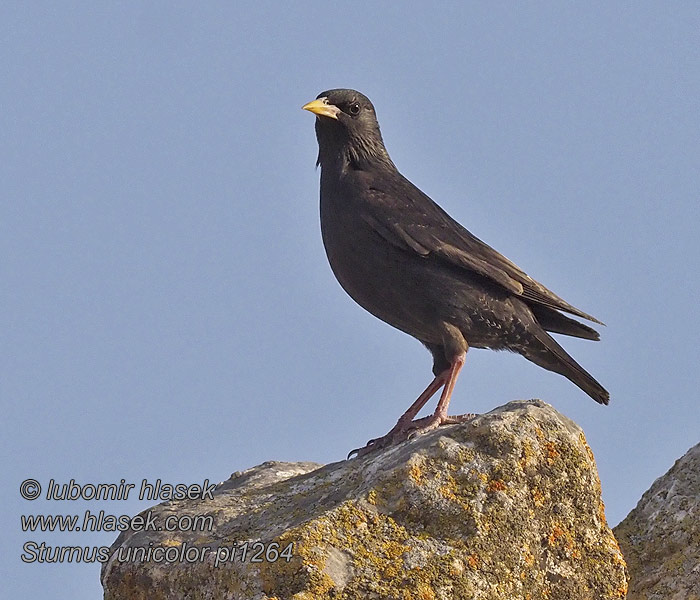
(660,538)
(505,506)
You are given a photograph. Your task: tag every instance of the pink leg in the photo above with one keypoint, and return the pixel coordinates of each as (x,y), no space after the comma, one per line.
(406,426)
(427,394)
(440,416)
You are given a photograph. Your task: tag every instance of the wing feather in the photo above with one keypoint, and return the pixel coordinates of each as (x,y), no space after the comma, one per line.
(409,219)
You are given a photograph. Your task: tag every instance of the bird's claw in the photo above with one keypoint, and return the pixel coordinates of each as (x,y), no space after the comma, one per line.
(368,447)
(375,444)
(410,432)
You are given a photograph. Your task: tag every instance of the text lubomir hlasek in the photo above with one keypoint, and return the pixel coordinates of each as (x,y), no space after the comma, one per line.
(156,490)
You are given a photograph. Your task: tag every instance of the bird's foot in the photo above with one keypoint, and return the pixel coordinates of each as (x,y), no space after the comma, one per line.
(399,433)
(426,424)
(405,431)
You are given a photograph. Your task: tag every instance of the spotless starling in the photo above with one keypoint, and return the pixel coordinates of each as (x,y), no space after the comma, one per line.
(405,260)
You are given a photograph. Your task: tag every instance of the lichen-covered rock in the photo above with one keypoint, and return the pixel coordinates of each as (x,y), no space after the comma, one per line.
(660,538)
(505,506)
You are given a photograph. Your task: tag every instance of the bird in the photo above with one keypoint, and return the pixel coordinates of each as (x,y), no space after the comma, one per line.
(402,258)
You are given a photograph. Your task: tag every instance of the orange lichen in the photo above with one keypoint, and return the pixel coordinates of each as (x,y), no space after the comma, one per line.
(552,452)
(538,497)
(415,473)
(425,592)
(554,535)
(447,492)
(496,485)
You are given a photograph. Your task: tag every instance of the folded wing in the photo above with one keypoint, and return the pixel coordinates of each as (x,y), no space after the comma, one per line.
(409,219)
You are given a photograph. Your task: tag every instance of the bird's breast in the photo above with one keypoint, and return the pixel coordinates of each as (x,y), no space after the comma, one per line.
(411,292)
(383,279)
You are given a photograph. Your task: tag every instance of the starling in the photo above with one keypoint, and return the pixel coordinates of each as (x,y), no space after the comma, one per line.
(405,260)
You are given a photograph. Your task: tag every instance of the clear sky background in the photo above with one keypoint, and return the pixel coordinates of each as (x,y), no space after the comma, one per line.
(167,307)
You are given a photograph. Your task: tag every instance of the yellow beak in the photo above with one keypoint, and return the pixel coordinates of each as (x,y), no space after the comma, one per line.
(322,108)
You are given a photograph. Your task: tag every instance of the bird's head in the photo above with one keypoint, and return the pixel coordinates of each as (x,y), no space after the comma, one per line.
(347,130)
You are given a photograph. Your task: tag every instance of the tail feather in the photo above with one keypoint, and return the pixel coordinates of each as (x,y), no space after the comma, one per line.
(552,356)
(555,322)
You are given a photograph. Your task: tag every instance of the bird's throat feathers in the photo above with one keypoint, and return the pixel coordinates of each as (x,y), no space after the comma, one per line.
(341,149)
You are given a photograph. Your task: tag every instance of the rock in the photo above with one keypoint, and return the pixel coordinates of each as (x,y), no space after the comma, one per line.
(505,506)
(660,538)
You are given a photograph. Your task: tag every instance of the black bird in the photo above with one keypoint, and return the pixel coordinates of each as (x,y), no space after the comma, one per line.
(406,261)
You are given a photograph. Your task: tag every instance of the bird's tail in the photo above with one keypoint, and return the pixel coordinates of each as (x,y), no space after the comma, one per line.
(550,355)
(553,321)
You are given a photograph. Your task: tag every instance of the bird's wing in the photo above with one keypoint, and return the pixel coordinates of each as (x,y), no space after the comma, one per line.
(409,219)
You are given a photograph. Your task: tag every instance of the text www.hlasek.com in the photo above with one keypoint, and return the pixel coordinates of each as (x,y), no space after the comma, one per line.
(104,522)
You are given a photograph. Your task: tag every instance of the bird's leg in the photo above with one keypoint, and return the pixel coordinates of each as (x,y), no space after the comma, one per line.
(440,416)
(406,419)
(406,426)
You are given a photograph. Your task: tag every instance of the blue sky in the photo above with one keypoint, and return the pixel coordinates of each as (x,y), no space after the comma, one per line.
(168,311)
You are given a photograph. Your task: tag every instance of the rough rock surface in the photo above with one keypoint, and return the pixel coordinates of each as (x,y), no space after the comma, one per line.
(505,506)
(660,538)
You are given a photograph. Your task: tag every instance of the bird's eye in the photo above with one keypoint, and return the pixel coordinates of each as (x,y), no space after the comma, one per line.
(354,108)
